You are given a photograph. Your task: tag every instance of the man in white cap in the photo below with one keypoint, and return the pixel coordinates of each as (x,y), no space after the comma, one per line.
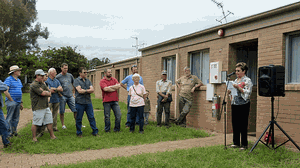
(13,99)
(42,115)
(163,90)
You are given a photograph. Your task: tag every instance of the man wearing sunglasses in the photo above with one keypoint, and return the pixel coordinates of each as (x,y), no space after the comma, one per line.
(42,115)
(129,82)
(83,102)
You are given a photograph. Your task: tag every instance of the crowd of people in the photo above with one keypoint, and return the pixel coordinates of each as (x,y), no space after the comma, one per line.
(49,93)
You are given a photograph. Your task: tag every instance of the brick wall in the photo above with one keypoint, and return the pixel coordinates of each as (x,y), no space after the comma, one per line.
(270,41)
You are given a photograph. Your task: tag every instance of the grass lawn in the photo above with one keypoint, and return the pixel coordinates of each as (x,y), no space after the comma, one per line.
(214,156)
(68,141)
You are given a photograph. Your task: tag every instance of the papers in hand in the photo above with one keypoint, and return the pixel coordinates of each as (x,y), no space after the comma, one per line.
(231,88)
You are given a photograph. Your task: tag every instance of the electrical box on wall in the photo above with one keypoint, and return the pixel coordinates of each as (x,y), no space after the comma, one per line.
(215,72)
(210,91)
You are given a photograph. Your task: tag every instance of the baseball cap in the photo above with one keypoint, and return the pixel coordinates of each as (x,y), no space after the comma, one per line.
(164,72)
(39,72)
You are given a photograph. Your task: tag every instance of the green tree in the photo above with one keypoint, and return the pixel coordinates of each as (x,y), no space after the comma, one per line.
(17,29)
(69,55)
(29,61)
(97,62)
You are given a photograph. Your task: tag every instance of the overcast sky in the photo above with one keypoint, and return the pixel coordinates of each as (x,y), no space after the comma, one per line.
(105,28)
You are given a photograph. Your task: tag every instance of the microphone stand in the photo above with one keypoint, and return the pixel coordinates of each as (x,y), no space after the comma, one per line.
(224,107)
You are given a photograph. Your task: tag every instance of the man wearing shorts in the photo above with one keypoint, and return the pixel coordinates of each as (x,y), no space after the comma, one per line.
(42,115)
(66,80)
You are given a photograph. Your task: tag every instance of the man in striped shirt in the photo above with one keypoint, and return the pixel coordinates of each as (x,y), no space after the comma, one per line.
(13,99)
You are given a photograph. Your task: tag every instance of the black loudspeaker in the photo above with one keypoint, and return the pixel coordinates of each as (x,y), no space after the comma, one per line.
(271,81)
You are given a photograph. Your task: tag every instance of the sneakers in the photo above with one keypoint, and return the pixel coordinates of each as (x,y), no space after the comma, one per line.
(243,148)
(64,127)
(234,146)
(79,136)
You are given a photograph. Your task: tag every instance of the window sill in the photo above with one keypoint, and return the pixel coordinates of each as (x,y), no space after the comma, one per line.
(292,87)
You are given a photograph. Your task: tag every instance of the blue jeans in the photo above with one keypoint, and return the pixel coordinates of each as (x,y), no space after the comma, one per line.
(128,114)
(13,115)
(3,128)
(62,104)
(114,105)
(137,112)
(88,108)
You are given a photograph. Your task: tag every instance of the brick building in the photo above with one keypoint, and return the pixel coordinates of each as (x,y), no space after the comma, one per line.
(271,37)
(120,70)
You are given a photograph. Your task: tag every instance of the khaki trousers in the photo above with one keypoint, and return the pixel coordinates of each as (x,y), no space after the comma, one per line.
(54,109)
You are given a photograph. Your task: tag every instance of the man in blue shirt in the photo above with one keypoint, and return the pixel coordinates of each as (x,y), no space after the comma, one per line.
(55,89)
(3,123)
(13,99)
(128,80)
(83,102)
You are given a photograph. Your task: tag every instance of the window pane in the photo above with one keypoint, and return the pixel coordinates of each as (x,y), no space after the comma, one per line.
(295,60)
(195,64)
(205,68)
(170,66)
(125,72)
(200,65)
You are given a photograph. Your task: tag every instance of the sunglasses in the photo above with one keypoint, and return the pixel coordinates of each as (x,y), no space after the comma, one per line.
(134,66)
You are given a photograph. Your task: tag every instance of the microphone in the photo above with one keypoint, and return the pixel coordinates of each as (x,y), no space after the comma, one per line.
(232,73)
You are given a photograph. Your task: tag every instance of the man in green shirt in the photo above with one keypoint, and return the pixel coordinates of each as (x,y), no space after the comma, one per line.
(187,85)
(42,115)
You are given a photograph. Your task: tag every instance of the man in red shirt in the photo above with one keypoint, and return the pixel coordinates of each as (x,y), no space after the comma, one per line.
(109,87)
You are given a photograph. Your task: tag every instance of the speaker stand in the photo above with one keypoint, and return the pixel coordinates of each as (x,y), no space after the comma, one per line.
(271,132)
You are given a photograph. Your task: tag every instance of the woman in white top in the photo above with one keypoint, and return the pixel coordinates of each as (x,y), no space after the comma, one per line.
(240,106)
(137,95)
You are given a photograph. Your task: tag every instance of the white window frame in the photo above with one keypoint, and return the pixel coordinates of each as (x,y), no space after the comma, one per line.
(201,70)
(171,68)
(289,60)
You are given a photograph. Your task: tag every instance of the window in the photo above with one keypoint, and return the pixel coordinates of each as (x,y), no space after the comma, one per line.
(92,80)
(125,72)
(199,64)
(292,62)
(170,67)
(102,75)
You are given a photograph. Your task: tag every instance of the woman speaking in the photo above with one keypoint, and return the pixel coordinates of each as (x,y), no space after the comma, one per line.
(240,106)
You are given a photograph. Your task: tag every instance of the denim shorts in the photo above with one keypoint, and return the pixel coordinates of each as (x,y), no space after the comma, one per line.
(42,117)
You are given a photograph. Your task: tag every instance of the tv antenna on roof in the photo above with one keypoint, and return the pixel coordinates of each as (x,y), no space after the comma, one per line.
(220,5)
(137,45)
